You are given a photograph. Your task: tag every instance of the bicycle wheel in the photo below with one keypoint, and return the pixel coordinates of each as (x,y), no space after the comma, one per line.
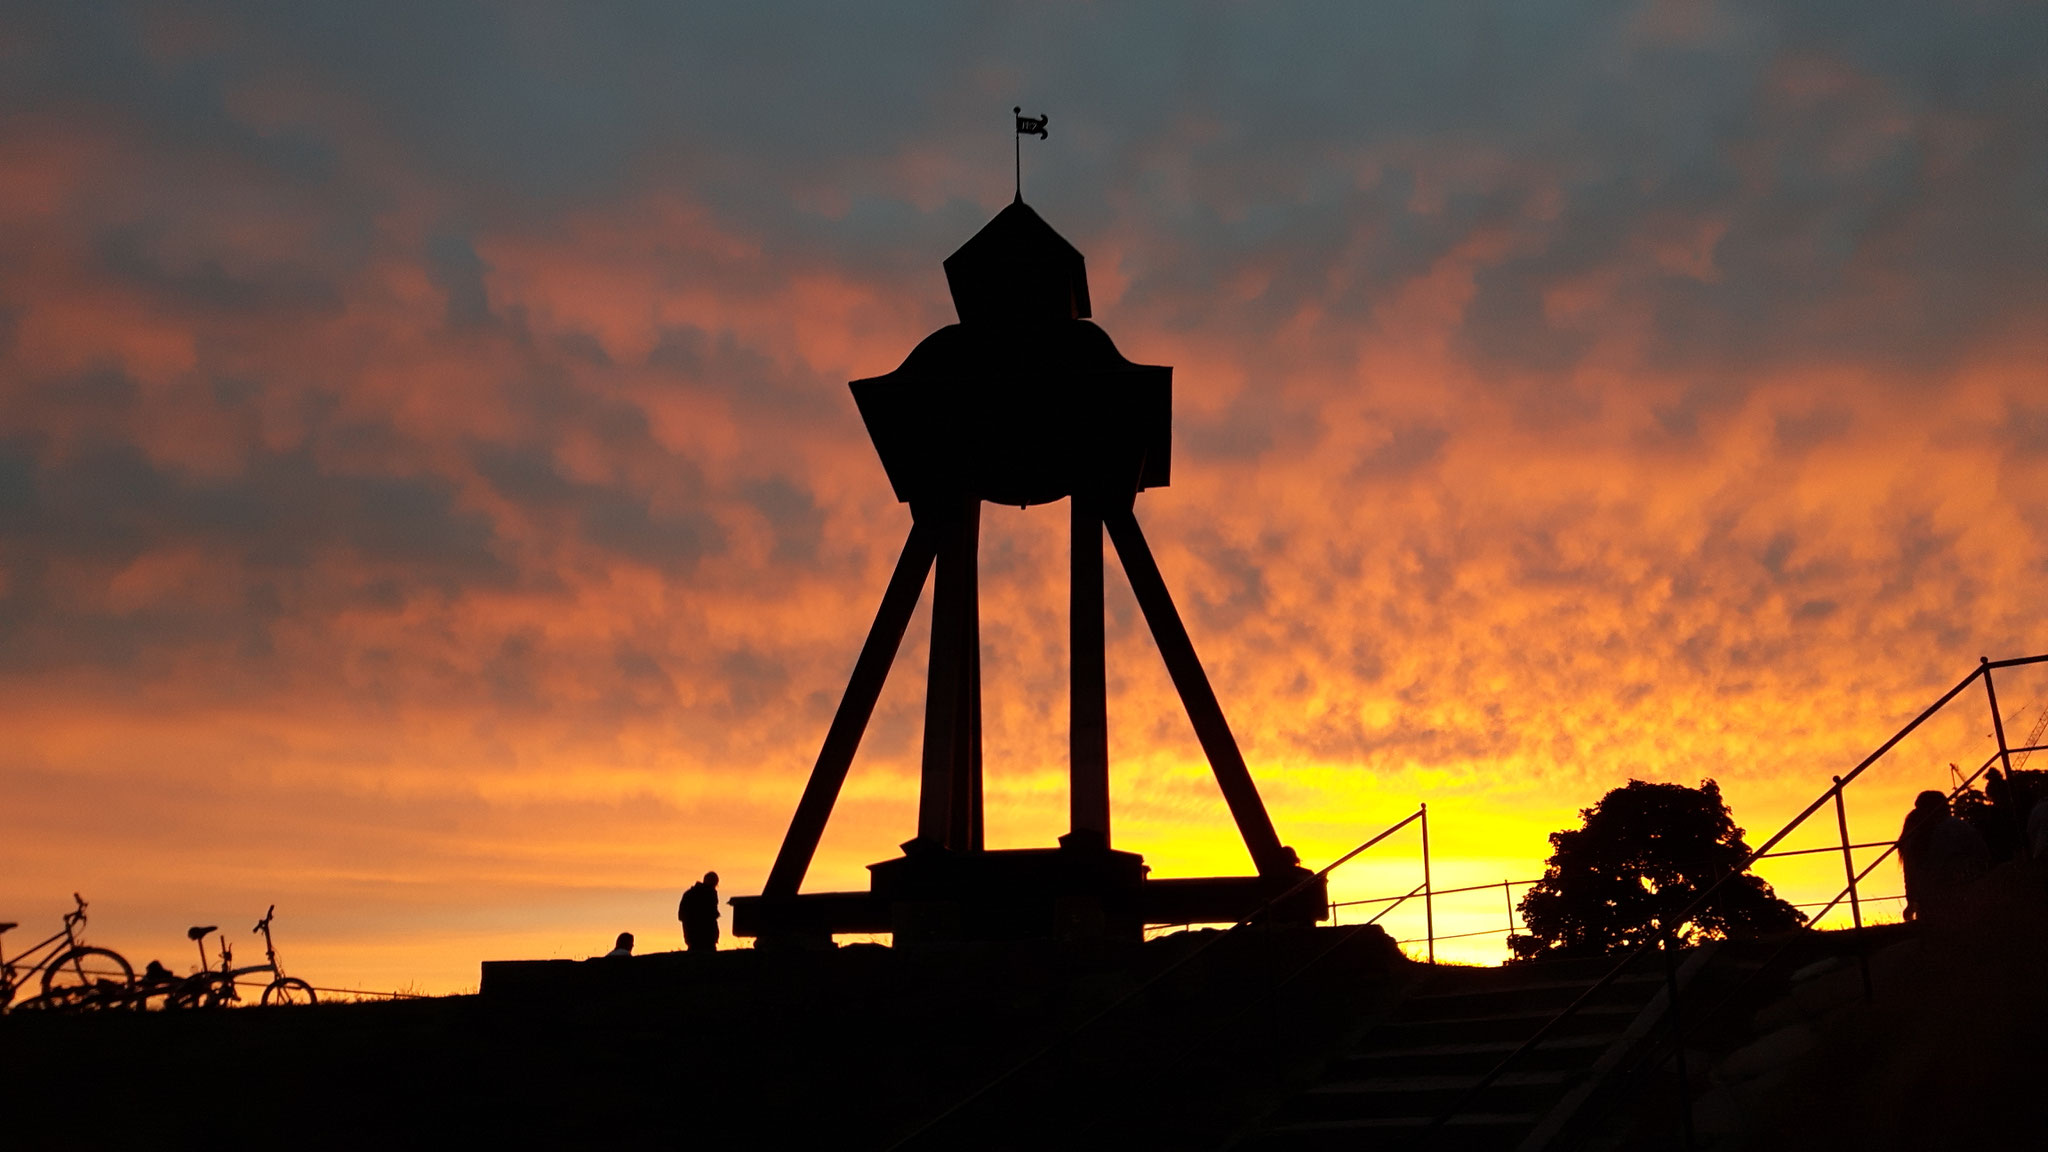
(288,990)
(82,972)
(222,992)
(193,991)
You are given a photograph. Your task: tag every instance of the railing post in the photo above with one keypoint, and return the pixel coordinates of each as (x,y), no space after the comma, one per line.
(1997,721)
(1848,857)
(1670,951)
(1509,897)
(1428,891)
(1855,902)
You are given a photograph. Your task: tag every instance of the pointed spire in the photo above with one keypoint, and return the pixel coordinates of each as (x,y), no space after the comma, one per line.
(1018,270)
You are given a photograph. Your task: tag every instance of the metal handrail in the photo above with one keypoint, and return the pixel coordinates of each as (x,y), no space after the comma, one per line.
(1396,904)
(1667,929)
(1443,891)
(1829,848)
(1893,846)
(1395,901)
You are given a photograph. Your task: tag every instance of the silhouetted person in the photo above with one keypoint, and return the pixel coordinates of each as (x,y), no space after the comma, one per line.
(624,947)
(156,974)
(2005,820)
(1928,808)
(2037,830)
(1939,853)
(699,913)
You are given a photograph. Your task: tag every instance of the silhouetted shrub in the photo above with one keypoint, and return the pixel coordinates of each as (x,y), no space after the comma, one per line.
(1646,851)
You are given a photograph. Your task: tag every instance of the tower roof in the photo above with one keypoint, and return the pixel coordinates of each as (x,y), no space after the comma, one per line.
(1017,270)
(1024,401)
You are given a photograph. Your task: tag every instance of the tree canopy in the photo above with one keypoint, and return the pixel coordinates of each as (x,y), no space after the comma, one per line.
(1646,851)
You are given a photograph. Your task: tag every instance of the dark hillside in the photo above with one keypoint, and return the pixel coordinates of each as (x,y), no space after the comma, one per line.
(848,1049)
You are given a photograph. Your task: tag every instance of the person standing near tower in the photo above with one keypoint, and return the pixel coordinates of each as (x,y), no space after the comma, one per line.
(699,913)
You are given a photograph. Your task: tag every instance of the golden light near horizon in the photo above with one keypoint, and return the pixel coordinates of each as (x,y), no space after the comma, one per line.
(430,498)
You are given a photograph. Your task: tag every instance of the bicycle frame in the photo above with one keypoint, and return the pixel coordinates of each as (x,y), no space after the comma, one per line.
(269,947)
(218,986)
(12,965)
(227,979)
(13,975)
(284,987)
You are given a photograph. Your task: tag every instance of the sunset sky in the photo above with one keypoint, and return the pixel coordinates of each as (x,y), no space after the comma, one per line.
(431,501)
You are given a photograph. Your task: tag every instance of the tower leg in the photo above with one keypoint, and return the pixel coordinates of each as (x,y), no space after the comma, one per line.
(842,740)
(1270,857)
(1088,687)
(949,790)
(966,824)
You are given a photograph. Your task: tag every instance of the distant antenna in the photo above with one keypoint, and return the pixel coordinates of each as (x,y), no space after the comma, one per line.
(2033,740)
(1026,126)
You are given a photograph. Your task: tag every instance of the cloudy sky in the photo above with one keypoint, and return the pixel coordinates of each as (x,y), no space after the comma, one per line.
(430,499)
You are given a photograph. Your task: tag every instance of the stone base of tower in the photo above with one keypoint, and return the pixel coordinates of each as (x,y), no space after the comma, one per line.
(1079,891)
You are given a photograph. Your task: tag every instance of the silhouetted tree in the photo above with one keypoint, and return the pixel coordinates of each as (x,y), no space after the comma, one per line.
(1647,851)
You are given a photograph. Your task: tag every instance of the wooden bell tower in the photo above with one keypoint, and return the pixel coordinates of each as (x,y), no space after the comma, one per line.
(1022,402)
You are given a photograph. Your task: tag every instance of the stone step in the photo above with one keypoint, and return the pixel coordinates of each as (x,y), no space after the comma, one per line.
(1476,1132)
(1413,1123)
(1583,968)
(1556,1053)
(1432,1083)
(1512,1026)
(1549,997)
(1448,1034)
(1382,1097)
(1574,985)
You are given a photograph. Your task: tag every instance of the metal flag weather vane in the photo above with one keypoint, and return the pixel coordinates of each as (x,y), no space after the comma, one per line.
(1026,126)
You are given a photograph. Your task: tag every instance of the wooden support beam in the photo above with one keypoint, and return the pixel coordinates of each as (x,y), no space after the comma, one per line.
(1088,681)
(1268,854)
(856,707)
(946,790)
(964,831)
(975,841)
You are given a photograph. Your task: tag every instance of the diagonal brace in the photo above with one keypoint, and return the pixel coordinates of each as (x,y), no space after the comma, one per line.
(856,707)
(1197,696)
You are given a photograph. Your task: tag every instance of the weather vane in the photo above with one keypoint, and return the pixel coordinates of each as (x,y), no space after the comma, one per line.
(1026,126)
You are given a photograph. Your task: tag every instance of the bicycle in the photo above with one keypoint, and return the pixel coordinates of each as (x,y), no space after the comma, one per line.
(73,974)
(210,987)
(284,989)
(218,987)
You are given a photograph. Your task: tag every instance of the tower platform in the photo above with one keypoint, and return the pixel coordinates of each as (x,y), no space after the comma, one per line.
(1077,891)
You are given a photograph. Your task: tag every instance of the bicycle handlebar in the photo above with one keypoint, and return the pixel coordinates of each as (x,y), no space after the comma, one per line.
(264,923)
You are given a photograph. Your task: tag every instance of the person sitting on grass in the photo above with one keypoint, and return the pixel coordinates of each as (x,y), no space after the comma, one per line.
(624,947)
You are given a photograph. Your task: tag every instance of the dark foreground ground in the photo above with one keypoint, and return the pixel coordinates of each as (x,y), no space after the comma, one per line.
(1951,1053)
(1047,1046)
(1948,1051)
(862,1047)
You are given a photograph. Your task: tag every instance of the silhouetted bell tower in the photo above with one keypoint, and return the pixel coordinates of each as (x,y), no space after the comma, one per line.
(1023,402)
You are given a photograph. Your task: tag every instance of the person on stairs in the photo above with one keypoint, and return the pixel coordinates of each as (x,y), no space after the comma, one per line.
(698,911)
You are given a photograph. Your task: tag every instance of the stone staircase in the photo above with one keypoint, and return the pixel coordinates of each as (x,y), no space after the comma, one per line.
(1454,1027)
